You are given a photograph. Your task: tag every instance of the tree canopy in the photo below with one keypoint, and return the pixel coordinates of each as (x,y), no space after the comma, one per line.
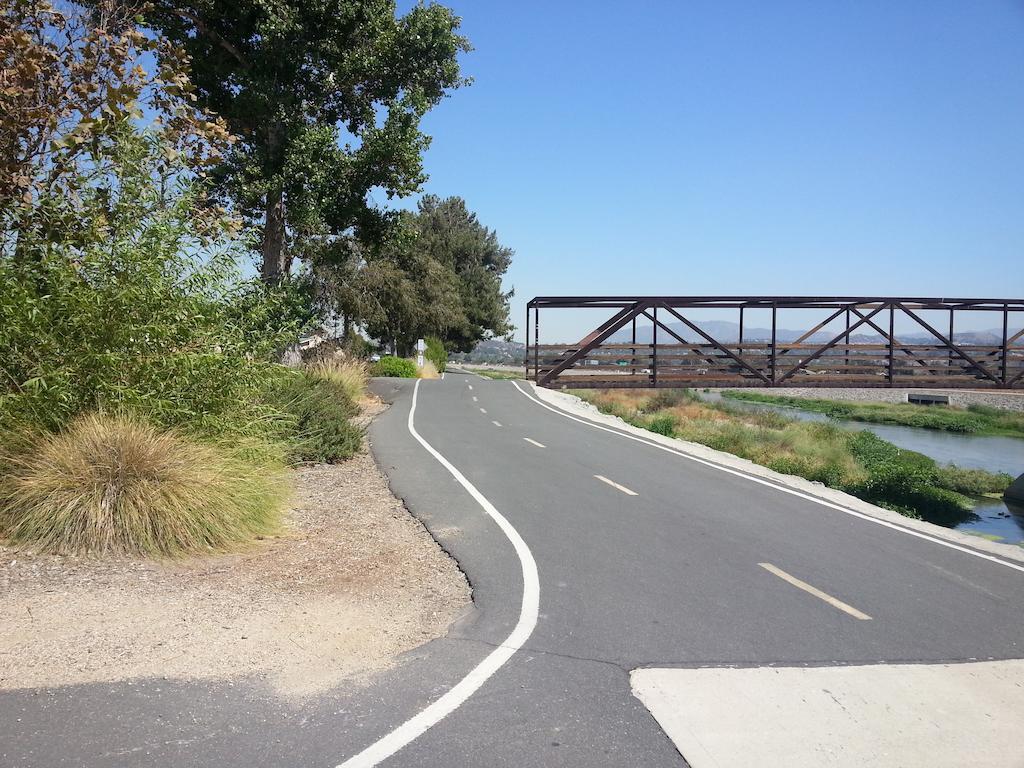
(438,275)
(449,233)
(325,98)
(281,118)
(70,81)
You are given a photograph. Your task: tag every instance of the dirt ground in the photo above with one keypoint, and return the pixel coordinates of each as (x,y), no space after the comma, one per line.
(352,582)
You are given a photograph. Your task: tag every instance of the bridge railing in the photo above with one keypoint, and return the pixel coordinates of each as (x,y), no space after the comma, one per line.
(823,356)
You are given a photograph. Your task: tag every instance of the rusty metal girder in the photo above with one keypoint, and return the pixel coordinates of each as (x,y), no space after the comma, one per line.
(703,360)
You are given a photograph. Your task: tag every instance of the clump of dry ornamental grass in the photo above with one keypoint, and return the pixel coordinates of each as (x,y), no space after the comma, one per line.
(349,374)
(428,371)
(112,484)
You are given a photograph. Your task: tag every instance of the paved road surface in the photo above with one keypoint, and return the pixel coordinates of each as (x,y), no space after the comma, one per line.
(644,560)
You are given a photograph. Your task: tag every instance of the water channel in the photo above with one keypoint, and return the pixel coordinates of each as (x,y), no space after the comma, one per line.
(992,517)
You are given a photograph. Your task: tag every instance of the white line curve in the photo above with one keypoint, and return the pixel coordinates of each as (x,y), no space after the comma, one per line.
(776,486)
(389,744)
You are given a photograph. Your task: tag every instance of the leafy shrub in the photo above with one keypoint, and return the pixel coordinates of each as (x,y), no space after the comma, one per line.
(132,311)
(904,479)
(436,353)
(317,412)
(663,424)
(976,419)
(358,347)
(397,367)
(860,463)
(355,347)
(972,482)
(348,374)
(116,484)
(999,419)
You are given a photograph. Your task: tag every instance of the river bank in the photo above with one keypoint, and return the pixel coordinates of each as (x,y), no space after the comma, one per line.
(975,419)
(852,460)
(991,453)
(960,398)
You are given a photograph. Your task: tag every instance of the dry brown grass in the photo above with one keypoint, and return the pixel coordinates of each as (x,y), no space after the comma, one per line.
(113,484)
(349,374)
(428,371)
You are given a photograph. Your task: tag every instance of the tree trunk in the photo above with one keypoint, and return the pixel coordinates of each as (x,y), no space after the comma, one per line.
(275,260)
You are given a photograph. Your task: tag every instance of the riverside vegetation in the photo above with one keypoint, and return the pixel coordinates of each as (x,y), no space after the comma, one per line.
(972,420)
(859,463)
(143,409)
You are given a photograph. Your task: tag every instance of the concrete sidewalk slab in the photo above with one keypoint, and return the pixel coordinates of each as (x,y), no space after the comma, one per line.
(891,716)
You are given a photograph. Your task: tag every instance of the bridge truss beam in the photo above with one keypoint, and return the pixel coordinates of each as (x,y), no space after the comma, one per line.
(826,355)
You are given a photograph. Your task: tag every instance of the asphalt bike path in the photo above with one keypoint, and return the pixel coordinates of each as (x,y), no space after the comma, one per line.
(647,559)
(643,559)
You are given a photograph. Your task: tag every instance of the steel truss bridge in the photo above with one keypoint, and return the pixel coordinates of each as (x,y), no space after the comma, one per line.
(848,342)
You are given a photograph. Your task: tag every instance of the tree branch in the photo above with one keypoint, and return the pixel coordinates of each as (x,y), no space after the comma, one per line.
(202,29)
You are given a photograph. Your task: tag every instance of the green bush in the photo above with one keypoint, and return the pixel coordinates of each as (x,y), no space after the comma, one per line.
(316,418)
(397,367)
(436,353)
(971,482)
(663,424)
(860,463)
(904,480)
(359,347)
(133,312)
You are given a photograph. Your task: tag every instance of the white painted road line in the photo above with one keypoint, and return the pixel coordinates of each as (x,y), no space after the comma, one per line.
(777,487)
(469,385)
(474,398)
(834,602)
(483,410)
(389,744)
(616,486)
(534,442)
(496,423)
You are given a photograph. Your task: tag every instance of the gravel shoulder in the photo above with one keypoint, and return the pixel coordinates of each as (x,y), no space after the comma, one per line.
(351,583)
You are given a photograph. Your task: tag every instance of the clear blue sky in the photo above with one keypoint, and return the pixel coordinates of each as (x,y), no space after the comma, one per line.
(721,147)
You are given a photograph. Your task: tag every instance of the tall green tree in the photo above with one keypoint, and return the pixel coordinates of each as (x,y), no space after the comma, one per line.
(396,292)
(448,233)
(325,98)
(437,273)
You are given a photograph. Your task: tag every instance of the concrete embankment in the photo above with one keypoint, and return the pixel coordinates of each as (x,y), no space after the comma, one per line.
(1012,401)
